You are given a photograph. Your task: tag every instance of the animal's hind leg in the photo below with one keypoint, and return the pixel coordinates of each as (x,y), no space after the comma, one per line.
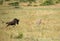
(7,25)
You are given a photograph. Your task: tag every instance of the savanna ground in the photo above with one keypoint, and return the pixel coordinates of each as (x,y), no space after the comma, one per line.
(48,30)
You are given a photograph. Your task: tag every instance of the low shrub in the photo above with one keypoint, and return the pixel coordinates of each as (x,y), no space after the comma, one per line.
(48,2)
(14,4)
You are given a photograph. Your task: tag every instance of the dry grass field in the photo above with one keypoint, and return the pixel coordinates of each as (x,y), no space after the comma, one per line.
(47,30)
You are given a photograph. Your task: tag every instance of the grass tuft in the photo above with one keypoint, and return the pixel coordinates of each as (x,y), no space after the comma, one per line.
(20,36)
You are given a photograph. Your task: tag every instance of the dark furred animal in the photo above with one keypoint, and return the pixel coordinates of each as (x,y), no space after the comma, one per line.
(13,22)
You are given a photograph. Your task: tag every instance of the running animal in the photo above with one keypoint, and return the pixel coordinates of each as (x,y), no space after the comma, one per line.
(13,22)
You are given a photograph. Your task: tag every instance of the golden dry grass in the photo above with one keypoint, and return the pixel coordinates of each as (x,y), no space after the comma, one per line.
(48,30)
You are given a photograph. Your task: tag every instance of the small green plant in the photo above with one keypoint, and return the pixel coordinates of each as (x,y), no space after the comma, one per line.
(20,36)
(48,2)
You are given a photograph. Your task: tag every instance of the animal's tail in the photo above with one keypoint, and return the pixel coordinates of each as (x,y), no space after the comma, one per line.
(6,22)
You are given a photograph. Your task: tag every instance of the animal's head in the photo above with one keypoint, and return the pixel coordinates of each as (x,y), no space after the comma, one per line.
(16,20)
